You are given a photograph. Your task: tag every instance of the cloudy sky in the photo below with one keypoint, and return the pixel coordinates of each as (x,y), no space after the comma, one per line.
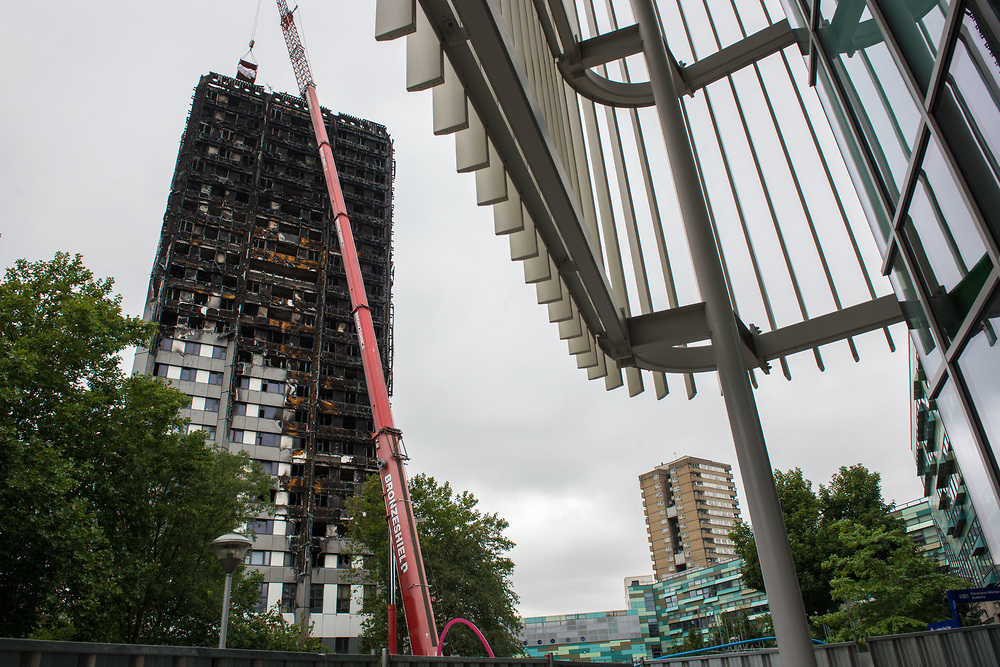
(488,398)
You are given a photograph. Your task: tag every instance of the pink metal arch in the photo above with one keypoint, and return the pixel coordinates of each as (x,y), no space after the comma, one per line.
(474,629)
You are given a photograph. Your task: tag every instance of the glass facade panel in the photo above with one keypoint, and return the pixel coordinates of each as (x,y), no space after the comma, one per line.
(974,81)
(948,244)
(885,109)
(923,341)
(976,474)
(980,365)
(917,26)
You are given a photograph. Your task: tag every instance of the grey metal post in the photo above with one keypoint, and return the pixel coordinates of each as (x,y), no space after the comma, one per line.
(224,626)
(787,613)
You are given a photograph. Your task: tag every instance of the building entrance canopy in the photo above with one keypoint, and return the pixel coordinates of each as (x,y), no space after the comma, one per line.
(541,100)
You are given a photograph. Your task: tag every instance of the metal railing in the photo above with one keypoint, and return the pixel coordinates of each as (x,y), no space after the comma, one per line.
(978,646)
(960,647)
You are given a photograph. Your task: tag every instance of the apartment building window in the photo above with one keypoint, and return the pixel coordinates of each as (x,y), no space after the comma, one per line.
(214,378)
(262,526)
(189,374)
(343,561)
(262,598)
(259,558)
(273,387)
(269,412)
(192,348)
(268,439)
(218,352)
(270,467)
(287,603)
(211,405)
(236,435)
(316,598)
(343,598)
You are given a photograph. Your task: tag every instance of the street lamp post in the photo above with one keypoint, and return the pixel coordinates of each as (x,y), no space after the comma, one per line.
(231,549)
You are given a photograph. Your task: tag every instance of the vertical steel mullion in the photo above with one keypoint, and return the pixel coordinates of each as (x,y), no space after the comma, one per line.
(555,85)
(833,187)
(559,124)
(652,203)
(803,310)
(795,177)
(939,217)
(744,226)
(541,98)
(805,206)
(884,99)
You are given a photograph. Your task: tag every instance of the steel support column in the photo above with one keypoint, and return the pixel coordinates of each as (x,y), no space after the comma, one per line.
(787,612)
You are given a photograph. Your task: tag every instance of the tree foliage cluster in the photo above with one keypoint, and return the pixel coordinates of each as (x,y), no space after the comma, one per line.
(108,505)
(464,554)
(859,573)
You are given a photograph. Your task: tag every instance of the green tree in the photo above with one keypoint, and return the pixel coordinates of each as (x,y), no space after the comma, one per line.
(738,626)
(464,558)
(694,640)
(885,585)
(107,505)
(811,520)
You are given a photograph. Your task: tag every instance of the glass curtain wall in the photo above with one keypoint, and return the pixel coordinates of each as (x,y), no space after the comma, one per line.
(912,88)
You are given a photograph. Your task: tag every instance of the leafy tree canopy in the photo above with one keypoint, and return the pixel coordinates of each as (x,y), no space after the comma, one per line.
(811,519)
(464,558)
(107,504)
(884,585)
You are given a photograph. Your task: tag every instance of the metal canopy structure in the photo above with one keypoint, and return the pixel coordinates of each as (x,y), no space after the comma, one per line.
(573,156)
(564,147)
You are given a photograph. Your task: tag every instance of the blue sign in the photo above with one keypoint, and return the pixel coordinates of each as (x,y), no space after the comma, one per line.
(970,596)
(974,595)
(944,625)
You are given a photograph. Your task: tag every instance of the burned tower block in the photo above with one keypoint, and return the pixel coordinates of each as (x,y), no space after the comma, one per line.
(255,322)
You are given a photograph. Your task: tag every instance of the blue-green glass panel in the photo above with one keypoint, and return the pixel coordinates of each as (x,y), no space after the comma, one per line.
(947,242)
(920,333)
(980,365)
(917,26)
(885,109)
(974,80)
(975,468)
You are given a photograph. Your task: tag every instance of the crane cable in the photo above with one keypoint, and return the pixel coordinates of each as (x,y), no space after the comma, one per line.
(253,33)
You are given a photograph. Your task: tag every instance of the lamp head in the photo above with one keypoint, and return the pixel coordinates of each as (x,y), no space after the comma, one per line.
(231,549)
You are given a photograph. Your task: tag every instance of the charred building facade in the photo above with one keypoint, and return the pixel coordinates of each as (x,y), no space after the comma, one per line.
(255,322)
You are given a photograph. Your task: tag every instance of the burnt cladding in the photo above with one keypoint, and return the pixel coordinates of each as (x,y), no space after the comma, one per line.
(248,288)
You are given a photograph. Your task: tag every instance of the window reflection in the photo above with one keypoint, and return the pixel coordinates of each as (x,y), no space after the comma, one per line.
(920,333)
(980,365)
(885,109)
(975,469)
(974,80)
(948,248)
(917,26)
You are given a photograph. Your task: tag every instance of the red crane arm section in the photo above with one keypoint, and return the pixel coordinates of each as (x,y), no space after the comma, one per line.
(399,511)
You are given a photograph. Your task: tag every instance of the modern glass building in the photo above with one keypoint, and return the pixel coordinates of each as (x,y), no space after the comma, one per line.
(912,90)
(660,615)
(946,495)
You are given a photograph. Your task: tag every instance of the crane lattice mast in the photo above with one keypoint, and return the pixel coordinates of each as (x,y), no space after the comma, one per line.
(404,544)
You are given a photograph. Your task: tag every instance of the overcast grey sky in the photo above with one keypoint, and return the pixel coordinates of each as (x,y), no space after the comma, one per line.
(487,396)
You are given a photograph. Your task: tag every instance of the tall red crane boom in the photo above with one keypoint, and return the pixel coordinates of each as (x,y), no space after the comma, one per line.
(402,527)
